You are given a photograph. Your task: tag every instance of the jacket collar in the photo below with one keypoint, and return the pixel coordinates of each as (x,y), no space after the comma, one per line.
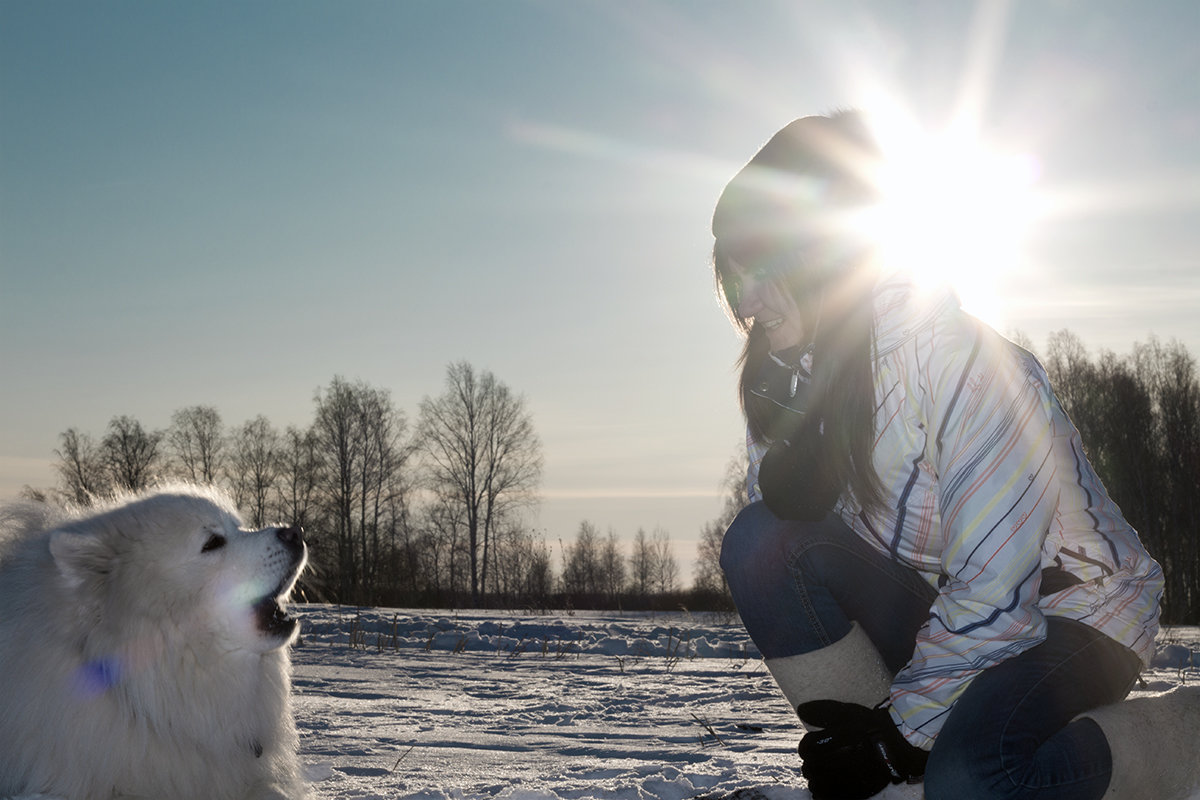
(903,309)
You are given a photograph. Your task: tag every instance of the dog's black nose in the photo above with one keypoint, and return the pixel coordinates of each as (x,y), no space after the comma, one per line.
(293,535)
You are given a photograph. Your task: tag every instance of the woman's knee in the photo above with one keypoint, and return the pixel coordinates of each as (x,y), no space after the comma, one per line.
(957,778)
(758,542)
(948,777)
(750,540)
(971,759)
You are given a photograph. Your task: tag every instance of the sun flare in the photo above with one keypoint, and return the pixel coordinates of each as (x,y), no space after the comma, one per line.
(954,212)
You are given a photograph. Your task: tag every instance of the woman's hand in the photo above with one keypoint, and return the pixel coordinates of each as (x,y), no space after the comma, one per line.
(795,479)
(857,752)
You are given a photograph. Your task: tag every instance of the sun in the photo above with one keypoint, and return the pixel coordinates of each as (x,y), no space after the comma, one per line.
(954,212)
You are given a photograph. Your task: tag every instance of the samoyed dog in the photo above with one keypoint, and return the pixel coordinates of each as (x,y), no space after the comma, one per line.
(144,652)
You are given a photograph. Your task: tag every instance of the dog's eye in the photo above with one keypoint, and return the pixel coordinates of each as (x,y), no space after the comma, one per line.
(215,542)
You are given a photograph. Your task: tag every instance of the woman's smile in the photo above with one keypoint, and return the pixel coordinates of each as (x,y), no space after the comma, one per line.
(761,298)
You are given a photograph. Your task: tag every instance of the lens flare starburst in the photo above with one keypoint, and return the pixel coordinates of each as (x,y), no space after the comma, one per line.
(955,213)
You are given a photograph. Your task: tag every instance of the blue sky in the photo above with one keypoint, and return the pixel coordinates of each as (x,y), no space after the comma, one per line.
(231,203)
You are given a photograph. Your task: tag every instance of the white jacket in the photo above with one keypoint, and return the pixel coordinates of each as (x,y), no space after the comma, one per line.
(986,485)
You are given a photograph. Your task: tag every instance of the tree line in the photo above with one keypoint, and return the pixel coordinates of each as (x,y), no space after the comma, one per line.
(429,513)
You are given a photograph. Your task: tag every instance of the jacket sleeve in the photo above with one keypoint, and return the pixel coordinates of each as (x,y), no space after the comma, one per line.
(987,405)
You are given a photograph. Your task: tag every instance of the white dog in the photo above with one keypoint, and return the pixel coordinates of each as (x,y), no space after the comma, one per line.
(144,652)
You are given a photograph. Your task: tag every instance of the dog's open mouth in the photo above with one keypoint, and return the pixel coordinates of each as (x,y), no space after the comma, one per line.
(269,612)
(272,618)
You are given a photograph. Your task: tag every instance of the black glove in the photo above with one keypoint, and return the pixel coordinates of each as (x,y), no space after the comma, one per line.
(858,752)
(795,479)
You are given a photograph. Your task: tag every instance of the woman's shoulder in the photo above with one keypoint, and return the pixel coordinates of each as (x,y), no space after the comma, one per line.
(929,332)
(907,313)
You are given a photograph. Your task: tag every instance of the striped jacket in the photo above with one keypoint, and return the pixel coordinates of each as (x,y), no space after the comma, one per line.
(986,486)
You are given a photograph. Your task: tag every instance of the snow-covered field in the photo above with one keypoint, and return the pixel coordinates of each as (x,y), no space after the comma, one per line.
(437,705)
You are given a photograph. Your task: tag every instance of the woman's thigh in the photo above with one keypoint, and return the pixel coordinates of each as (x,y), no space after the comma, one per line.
(1011,735)
(799,585)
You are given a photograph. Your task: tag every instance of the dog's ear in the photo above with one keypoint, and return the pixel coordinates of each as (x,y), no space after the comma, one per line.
(80,558)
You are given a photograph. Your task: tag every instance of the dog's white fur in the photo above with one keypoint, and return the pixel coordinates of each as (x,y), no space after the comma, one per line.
(142,655)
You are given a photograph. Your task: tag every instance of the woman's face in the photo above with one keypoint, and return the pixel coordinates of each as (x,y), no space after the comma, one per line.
(756,295)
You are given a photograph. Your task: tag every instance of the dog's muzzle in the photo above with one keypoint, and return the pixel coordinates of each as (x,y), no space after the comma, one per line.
(273,619)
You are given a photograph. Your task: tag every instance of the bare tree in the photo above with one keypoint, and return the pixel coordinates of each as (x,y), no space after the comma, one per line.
(522,567)
(481,452)
(581,563)
(130,454)
(299,475)
(652,565)
(1171,485)
(196,440)
(538,572)
(81,468)
(360,439)
(382,490)
(611,567)
(253,466)
(341,453)
(641,565)
(446,547)
(708,575)
(666,568)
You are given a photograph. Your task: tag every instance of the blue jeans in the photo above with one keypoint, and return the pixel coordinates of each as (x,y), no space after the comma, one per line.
(798,586)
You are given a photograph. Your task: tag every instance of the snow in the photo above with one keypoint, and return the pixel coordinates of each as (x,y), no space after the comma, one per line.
(442,705)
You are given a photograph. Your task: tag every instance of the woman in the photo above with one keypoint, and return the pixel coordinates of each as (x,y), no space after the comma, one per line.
(933,572)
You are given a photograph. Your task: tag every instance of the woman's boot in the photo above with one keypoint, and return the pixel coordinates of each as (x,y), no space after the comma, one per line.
(1155,752)
(850,670)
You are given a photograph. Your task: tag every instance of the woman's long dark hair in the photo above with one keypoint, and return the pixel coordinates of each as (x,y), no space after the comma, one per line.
(833,288)
(843,373)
